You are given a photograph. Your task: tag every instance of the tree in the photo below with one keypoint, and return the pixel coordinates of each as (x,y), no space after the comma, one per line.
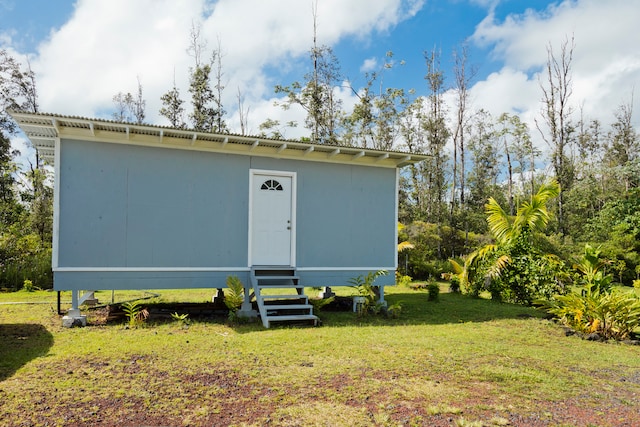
(18,90)
(519,153)
(208,112)
(512,268)
(556,114)
(623,150)
(316,94)
(129,108)
(243,114)
(462,77)
(433,126)
(25,208)
(412,190)
(484,173)
(172,107)
(375,119)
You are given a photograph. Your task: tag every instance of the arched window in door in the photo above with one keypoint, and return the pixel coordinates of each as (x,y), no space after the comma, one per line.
(271,184)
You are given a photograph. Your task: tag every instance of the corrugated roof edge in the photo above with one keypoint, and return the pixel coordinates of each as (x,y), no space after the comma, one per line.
(30,120)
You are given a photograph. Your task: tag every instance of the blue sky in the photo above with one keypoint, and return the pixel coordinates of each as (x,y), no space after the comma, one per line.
(86,51)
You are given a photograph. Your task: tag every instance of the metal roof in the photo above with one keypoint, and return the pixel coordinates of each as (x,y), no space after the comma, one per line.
(45,129)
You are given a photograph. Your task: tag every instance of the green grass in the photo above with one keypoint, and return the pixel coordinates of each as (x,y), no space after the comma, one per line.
(471,360)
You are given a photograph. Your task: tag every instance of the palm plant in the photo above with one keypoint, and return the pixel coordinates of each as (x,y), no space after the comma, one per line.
(511,268)
(596,307)
(235,296)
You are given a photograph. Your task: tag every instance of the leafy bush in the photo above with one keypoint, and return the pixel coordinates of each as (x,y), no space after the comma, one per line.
(394,311)
(513,268)
(365,288)
(434,290)
(28,286)
(596,307)
(454,284)
(612,315)
(403,280)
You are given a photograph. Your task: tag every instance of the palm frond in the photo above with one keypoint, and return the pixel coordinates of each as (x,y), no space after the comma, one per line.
(534,214)
(405,245)
(499,222)
(456,266)
(498,266)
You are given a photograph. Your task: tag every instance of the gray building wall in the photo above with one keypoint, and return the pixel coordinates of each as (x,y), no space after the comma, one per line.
(133,217)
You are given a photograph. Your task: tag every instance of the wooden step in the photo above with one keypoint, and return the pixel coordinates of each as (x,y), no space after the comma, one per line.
(293,318)
(268,277)
(272,307)
(284,297)
(280,285)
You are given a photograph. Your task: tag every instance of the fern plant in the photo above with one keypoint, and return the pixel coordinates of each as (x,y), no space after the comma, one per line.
(136,314)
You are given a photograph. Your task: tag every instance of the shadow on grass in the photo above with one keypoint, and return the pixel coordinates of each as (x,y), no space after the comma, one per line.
(416,309)
(21,343)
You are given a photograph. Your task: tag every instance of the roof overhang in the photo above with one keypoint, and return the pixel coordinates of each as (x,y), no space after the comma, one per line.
(45,129)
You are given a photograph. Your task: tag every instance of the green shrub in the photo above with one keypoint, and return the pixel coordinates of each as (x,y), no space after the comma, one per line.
(402,280)
(364,286)
(28,286)
(394,310)
(596,307)
(434,290)
(454,285)
(612,315)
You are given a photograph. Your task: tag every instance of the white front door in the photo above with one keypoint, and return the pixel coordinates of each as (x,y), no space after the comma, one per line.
(271,218)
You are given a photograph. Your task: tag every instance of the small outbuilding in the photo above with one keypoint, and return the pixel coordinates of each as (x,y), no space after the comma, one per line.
(150,207)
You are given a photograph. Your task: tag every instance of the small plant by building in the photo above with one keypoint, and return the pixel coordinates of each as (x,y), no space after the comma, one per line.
(182,319)
(234,297)
(135,312)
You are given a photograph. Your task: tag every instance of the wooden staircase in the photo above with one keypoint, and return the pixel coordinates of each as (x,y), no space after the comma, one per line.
(280,296)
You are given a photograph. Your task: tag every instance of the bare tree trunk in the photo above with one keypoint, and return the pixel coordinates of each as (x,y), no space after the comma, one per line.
(510,179)
(242,113)
(556,115)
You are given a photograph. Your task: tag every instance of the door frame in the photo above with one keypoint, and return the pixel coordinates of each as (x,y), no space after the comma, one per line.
(273,173)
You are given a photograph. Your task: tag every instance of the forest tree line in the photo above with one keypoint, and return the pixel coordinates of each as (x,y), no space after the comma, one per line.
(472,156)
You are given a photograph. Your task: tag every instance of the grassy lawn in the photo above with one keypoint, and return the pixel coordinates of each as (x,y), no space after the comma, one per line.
(456,362)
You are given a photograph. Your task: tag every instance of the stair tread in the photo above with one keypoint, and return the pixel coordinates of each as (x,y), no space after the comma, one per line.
(288,307)
(280,285)
(267,277)
(276,296)
(292,317)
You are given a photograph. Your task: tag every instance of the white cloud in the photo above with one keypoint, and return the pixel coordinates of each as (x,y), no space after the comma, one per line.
(105,46)
(605,66)
(369,64)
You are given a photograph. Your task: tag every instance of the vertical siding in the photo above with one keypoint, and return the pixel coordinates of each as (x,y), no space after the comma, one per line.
(151,210)
(127,206)
(345,213)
